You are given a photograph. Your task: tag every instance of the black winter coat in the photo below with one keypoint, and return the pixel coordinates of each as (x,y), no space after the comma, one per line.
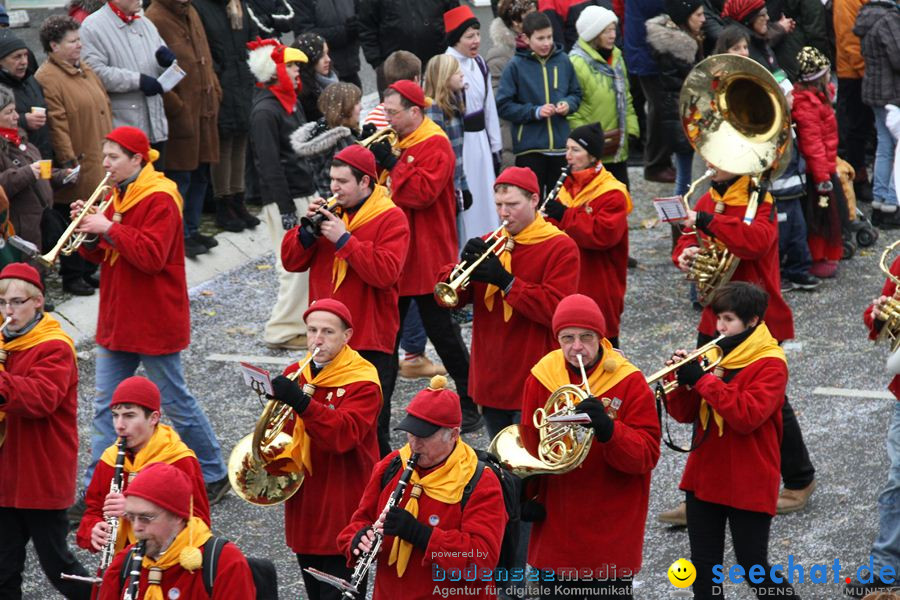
(229,54)
(811,30)
(413,25)
(878,29)
(28,93)
(328,18)
(273,17)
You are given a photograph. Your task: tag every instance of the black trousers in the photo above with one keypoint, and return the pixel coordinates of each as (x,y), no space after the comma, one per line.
(47,529)
(856,122)
(750,537)
(382,363)
(657,147)
(547,167)
(333,565)
(557,590)
(444,333)
(71,267)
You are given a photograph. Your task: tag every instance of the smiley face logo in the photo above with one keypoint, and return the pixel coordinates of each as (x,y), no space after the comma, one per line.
(682,573)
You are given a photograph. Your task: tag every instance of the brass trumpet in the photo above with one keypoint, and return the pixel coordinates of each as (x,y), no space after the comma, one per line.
(387,134)
(447,294)
(709,355)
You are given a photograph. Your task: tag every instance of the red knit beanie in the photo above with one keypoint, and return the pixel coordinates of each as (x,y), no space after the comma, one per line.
(521,177)
(132,139)
(739,10)
(165,486)
(22,271)
(335,307)
(360,158)
(411,91)
(431,409)
(579,310)
(137,390)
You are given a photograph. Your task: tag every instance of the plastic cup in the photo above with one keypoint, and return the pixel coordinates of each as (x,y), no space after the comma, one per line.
(40,110)
(46,168)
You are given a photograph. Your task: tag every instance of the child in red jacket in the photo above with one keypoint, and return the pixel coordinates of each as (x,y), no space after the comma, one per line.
(817,137)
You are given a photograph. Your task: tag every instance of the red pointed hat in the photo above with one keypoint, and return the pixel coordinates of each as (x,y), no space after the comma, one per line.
(137,390)
(335,307)
(578,310)
(22,271)
(521,177)
(431,409)
(166,486)
(360,158)
(411,91)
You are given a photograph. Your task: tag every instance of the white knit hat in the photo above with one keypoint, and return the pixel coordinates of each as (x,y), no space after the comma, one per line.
(593,20)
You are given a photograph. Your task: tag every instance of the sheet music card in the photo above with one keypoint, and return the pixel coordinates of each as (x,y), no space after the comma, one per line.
(257,378)
(670,209)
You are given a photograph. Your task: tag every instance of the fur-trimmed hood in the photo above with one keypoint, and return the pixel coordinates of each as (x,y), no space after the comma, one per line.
(314,138)
(665,37)
(501,35)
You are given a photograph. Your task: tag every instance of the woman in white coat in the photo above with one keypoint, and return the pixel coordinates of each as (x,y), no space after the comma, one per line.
(481,142)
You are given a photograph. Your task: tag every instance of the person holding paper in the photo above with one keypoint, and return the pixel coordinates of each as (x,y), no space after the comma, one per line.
(615,475)
(335,402)
(592,207)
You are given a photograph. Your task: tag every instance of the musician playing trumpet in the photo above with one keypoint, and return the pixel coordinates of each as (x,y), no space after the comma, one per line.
(732,476)
(615,475)
(514,295)
(335,402)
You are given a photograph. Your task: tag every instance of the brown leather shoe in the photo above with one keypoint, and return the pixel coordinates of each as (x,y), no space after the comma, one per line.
(419,367)
(298,342)
(666,175)
(793,500)
(677,517)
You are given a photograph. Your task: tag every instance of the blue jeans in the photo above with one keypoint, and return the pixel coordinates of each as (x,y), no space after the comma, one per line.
(192,187)
(886,548)
(178,405)
(413,338)
(883,184)
(792,245)
(683,163)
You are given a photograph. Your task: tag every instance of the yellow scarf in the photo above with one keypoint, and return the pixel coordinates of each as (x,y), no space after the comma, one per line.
(195,534)
(425,130)
(164,446)
(376,204)
(345,368)
(46,330)
(538,231)
(553,373)
(148,181)
(736,194)
(603,182)
(445,484)
(759,345)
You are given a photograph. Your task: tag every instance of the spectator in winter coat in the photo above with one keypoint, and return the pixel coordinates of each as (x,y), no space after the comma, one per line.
(315,75)
(338,23)
(16,74)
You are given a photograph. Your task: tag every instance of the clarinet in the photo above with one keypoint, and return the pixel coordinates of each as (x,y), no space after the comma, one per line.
(115,487)
(366,559)
(133,583)
(556,187)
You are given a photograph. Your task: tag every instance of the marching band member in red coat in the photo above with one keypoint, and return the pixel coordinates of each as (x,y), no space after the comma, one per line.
(357,258)
(733,474)
(38,436)
(427,532)
(874,317)
(592,208)
(514,296)
(136,414)
(624,450)
(336,400)
(421,183)
(140,249)
(158,504)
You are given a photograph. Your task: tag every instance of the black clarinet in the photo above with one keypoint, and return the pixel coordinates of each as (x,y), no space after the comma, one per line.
(558,186)
(133,583)
(115,487)
(313,225)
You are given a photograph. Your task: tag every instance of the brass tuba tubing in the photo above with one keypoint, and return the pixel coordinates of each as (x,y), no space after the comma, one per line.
(447,294)
(70,241)
(698,354)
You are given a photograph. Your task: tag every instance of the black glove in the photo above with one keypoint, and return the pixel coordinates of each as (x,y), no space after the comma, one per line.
(467,199)
(354,545)
(532,511)
(351,27)
(289,392)
(690,373)
(149,85)
(555,209)
(703,221)
(383,155)
(288,220)
(164,57)
(402,524)
(600,421)
(474,248)
(824,187)
(491,270)
(498,163)
(368,130)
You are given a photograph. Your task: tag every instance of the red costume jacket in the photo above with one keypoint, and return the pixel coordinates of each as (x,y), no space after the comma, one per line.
(817,132)
(613,482)
(757,247)
(742,467)
(344,449)
(375,254)
(875,325)
(459,540)
(38,460)
(233,579)
(545,273)
(143,297)
(421,183)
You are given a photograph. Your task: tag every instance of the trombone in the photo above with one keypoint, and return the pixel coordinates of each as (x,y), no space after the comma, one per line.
(709,354)
(447,294)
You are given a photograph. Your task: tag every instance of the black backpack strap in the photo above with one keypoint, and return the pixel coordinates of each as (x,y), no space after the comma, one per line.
(392,469)
(211,552)
(470,487)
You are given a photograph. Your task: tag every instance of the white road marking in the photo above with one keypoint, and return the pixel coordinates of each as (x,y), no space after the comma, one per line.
(851,393)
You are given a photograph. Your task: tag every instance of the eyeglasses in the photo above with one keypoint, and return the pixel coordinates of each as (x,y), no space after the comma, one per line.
(393,112)
(144,519)
(15,302)
(586,338)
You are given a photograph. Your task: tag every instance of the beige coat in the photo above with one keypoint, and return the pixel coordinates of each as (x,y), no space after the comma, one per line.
(79,116)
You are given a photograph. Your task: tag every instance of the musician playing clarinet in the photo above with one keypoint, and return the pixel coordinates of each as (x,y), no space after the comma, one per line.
(39,456)
(432,528)
(514,296)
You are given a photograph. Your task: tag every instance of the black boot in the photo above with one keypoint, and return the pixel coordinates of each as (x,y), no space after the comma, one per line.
(240,210)
(225,216)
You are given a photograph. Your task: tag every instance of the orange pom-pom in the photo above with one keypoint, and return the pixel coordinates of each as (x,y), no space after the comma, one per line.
(438,382)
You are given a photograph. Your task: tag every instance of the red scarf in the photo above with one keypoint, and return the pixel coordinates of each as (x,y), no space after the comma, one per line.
(10,135)
(284,90)
(127,19)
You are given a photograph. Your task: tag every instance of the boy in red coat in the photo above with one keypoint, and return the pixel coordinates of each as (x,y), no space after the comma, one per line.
(356,257)
(158,504)
(732,477)
(514,296)
(335,400)
(136,413)
(38,436)
(140,248)
(624,450)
